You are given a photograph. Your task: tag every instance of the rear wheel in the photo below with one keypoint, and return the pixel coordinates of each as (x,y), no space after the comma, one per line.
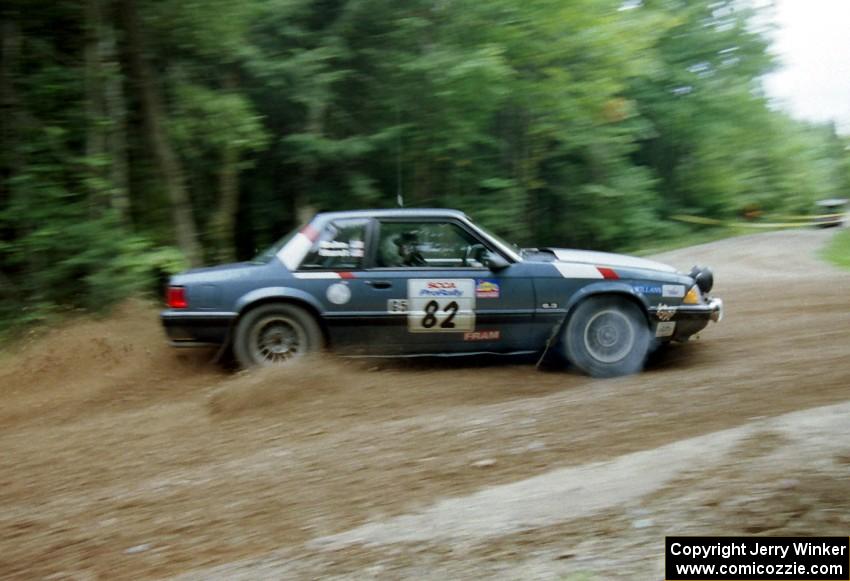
(275,334)
(607,337)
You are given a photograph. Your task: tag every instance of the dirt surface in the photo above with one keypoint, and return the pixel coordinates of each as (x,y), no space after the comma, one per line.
(122,459)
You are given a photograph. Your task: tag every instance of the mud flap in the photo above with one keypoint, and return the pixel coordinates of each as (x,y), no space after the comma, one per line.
(556,330)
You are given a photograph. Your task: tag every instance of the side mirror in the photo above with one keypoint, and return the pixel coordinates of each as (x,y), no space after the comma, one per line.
(495,262)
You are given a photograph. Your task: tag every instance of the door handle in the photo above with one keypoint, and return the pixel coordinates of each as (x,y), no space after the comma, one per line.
(379,284)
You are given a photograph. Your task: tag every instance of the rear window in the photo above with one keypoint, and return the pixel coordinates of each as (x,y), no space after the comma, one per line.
(340,246)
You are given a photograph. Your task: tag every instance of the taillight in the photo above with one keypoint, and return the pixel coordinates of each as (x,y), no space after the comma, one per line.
(175,297)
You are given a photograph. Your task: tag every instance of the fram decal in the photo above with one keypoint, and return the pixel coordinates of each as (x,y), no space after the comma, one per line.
(675,291)
(486,289)
(492,335)
(648,289)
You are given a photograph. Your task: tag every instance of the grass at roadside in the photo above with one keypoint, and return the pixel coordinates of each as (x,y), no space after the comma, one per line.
(697,237)
(838,250)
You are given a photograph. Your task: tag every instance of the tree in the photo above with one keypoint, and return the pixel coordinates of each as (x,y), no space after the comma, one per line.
(130,124)
(153,113)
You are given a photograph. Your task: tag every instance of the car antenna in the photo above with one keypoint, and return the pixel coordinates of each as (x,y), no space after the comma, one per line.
(399,192)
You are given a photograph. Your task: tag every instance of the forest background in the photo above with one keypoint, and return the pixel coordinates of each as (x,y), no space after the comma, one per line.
(139,137)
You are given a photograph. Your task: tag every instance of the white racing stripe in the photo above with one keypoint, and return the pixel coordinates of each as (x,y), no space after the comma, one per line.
(609,259)
(316,275)
(294,251)
(569,270)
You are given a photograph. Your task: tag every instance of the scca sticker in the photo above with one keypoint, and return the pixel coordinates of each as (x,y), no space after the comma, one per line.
(440,288)
(441,305)
(486,289)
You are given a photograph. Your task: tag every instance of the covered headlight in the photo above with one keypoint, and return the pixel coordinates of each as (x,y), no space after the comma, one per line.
(703,277)
(693,296)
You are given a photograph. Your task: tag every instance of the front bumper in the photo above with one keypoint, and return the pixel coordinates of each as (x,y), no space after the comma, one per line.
(196,328)
(712,310)
(716,306)
(680,322)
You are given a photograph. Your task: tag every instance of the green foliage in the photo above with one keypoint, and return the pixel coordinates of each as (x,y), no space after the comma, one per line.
(69,253)
(584,123)
(206,120)
(838,250)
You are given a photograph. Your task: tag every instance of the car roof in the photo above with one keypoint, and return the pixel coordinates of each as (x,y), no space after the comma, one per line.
(394,213)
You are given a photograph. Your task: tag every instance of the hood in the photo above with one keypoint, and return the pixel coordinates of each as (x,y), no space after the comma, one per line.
(608,259)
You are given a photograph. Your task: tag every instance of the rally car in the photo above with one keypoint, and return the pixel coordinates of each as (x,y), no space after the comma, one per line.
(409,282)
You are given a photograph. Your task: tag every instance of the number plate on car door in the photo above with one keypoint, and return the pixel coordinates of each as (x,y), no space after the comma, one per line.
(444,305)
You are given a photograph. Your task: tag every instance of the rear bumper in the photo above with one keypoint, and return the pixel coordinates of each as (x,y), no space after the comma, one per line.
(196,328)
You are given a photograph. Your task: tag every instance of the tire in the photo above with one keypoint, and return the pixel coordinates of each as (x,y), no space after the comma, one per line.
(275,334)
(607,336)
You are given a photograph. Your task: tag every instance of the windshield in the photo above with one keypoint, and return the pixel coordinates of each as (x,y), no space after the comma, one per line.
(270,252)
(501,241)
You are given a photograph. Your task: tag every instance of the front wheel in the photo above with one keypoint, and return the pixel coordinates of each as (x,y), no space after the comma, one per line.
(607,337)
(275,334)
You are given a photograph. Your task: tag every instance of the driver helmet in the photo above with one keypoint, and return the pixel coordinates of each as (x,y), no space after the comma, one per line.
(407,243)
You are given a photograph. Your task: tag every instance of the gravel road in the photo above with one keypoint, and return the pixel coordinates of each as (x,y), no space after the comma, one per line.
(124,460)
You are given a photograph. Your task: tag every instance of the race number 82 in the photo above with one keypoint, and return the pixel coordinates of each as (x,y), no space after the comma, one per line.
(430,318)
(441,305)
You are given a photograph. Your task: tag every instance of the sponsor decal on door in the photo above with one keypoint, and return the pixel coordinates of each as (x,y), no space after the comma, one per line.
(486,289)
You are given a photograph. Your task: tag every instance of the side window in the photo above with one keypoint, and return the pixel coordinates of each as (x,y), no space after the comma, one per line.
(341,245)
(429,245)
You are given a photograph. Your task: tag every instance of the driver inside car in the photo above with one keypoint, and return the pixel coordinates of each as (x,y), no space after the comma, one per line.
(402,250)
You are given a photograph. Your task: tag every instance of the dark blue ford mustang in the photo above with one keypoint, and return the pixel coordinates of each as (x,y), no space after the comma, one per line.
(430,282)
